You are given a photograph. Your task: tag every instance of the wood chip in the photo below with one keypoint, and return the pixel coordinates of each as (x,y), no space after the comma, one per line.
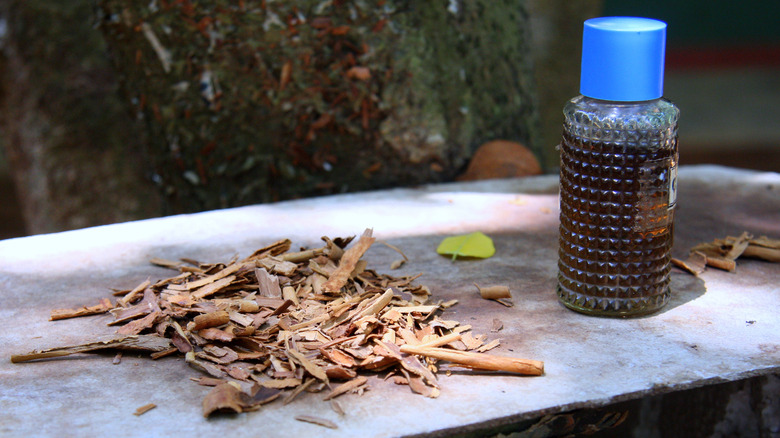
(338,357)
(337,408)
(317,420)
(762,252)
(170,264)
(763,248)
(275,249)
(130,296)
(469,341)
(207,320)
(299,389)
(504,302)
(137,326)
(313,369)
(268,285)
(210,279)
(448,304)
(163,353)
(148,304)
(215,334)
(225,397)
(418,386)
(736,245)
(441,340)
(489,346)
(212,287)
(397,263)
(289,382)
(208,381)
(377,305)
(144,409)
(766,242)
(289,294)
(418,309)
(279,266)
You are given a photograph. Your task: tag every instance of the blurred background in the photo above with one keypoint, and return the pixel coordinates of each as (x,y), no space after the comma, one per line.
(79,107)
(723,71)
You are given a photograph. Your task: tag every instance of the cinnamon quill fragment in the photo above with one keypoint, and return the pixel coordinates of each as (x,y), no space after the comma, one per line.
(290,323)
(723,253)
(479,361)
(498,293)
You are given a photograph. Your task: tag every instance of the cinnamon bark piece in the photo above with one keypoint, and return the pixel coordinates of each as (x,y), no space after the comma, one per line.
(148,343)
(346,387)
(104,306)
(348,262)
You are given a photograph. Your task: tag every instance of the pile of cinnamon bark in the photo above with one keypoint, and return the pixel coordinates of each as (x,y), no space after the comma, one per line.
(279,323)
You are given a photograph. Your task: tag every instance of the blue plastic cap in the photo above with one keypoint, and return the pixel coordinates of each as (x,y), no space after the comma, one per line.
(623,58)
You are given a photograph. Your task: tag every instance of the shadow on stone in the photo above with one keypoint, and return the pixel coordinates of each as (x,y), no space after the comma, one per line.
(685,288)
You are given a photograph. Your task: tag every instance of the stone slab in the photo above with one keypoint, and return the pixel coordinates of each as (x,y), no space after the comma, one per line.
(718,327)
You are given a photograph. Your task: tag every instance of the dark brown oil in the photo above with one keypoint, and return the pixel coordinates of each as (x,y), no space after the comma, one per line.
(616,230)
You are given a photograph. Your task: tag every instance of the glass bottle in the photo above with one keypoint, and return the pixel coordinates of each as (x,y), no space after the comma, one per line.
(618,178)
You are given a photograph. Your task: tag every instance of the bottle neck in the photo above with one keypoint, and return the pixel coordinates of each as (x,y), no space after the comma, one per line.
(620,102)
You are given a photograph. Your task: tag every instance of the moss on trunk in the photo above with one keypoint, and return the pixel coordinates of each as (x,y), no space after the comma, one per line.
(252,101)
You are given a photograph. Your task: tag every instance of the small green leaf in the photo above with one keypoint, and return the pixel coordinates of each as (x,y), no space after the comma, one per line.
(475,244)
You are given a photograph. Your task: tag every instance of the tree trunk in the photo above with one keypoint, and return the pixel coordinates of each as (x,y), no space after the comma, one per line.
(72,149)
(252,101)
(237,102)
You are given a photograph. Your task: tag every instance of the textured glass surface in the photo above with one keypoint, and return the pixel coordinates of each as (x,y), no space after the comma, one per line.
(617,197)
